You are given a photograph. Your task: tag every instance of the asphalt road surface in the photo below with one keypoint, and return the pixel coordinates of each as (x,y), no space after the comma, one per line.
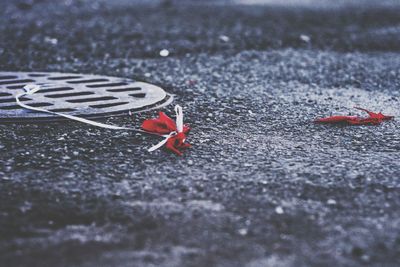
(262,185)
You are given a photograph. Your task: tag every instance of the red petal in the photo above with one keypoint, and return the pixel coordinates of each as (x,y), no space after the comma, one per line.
(378,116)
(186,129)
(170,123)
(162,125)
(177,143)
(374,119)
(337,119)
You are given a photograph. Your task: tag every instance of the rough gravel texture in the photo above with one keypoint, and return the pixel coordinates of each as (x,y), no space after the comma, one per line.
(262,185)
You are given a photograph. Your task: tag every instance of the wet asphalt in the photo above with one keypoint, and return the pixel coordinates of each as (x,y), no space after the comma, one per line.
(262,186)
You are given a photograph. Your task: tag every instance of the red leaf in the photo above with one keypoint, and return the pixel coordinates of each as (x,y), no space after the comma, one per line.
(373,119)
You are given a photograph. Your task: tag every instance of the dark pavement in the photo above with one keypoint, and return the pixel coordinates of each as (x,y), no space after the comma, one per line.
(262,185)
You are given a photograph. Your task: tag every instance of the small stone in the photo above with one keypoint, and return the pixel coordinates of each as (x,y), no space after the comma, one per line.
(365,258)
(164,53)
(50,40)
(216,75)
(75,153)
(279,210)
(25,207)
(224,38)
(305,38)
(70,175)
(243,231)
(331,202)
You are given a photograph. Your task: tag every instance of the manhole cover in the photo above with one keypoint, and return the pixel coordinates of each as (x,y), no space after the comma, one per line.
(90,96)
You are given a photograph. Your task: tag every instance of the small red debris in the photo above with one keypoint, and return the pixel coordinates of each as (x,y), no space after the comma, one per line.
(373,119)
(175,132)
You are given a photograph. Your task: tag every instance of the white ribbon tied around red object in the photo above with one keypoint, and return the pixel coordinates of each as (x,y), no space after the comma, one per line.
(31,89)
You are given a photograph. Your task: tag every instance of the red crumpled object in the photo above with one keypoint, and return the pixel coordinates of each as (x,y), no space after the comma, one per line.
(373,119)
(164,125)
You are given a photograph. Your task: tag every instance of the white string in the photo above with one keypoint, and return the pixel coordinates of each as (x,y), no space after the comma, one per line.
(30,89)
(179,118)
(163,142)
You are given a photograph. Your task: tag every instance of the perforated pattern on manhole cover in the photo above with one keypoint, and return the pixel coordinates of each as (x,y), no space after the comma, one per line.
(76,94)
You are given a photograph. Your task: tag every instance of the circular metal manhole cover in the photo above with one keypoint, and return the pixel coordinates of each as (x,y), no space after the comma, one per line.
(90,96)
